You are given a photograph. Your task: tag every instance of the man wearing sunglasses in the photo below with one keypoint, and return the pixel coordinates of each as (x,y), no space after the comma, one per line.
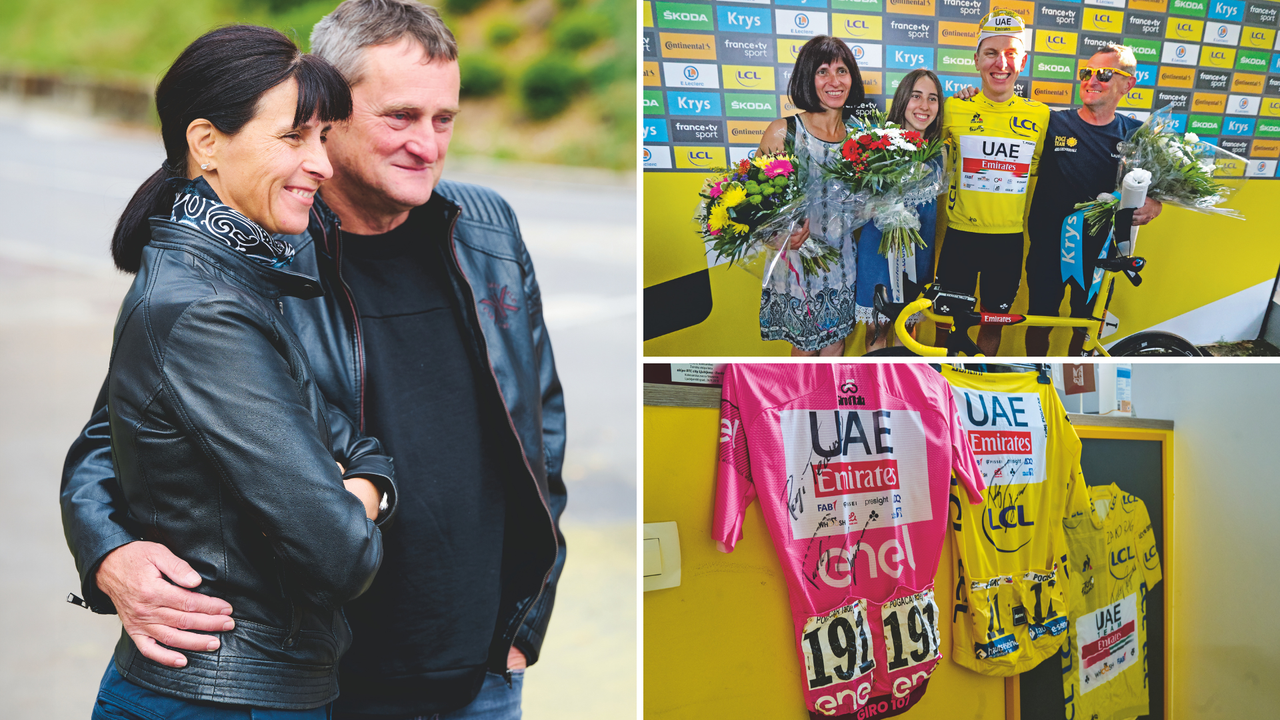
(1079,161)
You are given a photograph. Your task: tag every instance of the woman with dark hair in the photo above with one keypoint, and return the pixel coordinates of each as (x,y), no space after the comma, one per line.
(917,105)
(815,312)
(224,448)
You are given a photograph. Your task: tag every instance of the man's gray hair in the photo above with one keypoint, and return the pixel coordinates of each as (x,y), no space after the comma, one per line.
(1123,53)
(341,36)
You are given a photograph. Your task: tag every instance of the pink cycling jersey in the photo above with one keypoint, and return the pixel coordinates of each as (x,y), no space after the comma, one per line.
(852,465)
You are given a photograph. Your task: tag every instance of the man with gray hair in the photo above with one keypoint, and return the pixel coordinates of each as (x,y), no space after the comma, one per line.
(430,336)
(1080,160)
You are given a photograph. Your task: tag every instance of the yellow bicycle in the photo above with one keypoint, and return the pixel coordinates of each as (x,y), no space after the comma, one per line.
(958,310)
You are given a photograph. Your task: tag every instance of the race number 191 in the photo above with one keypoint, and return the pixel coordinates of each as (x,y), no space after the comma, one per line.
(837,646)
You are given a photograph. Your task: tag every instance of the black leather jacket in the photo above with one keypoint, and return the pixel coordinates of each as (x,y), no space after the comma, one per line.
(225,452)
(487,257)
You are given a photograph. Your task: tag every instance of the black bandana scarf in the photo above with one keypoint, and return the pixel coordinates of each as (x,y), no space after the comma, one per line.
(198,206)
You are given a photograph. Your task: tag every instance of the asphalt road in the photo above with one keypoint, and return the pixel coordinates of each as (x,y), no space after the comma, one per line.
(63,182)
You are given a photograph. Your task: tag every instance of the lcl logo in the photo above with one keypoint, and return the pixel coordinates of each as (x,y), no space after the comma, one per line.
(1024,123)
(856,26)
(748,75)
(802,21)
(700,158)
(690,73)
(1057,40)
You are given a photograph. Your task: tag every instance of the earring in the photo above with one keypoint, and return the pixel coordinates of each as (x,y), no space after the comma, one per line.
(204,166)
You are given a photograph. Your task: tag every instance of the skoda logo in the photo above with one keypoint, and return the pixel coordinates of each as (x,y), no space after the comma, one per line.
(690,73)
(646,155)
(802,21)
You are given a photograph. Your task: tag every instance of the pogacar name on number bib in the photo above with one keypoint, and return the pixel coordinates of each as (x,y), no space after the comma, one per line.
(995,165)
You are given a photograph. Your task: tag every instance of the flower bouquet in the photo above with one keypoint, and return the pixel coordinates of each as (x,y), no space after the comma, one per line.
(1185,171)
(756,204)
(885,172)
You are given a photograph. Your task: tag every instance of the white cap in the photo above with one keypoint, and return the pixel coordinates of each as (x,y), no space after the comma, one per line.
(1001,22)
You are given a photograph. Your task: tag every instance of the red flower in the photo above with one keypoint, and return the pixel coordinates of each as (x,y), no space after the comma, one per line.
(744,166)
(865,139)
(850,151)
(912,136)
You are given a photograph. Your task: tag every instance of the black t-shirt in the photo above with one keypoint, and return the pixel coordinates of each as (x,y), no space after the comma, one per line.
(429,399)
(1078,162)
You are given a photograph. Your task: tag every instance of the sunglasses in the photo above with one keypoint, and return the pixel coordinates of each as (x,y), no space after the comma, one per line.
(1104,74)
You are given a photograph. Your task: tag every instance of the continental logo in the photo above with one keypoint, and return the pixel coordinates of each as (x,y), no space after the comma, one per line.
(857,27)
(688,47)
(1266,148)
(1208,102)
(872,84)
(1218,57)
(910,7)
(959,34)
(1246,83)
(1179,77)
(1138,99)
(699,158)
(788,108)
(1025,10)
(1053,41)
(1051,93)
(746,132)
(1104,20)
(1184,29)
(651,74)
(1260,38)
(746,77)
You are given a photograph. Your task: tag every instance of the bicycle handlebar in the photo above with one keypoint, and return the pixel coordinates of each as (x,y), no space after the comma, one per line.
(900,329)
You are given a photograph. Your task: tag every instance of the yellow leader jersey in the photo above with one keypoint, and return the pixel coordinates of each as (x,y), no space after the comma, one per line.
(994,150)
(1114,562)
(1010,551)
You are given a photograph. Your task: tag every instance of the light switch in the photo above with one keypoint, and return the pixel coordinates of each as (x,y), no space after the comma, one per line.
(652,557)
(661,556)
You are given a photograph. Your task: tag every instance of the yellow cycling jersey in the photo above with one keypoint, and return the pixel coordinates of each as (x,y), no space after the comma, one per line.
(1011,603)
(1114,562)
(994,150)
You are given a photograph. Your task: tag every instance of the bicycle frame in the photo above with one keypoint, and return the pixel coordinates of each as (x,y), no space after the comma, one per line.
(962,323)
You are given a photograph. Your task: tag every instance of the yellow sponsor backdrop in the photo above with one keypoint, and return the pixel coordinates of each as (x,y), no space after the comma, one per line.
(909,7)
(1247,83)
(1185,29)
(857,27)
(957,33)
(1182,274)
(1179,77)
(1217,57)
(1255,37)
(651,77)
(747,77)
(1138,99)
(1149,5)
(704,641)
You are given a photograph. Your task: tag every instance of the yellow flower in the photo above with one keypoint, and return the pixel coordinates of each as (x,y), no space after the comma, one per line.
(737,228)
(761,160)
(734,196)
(719,217)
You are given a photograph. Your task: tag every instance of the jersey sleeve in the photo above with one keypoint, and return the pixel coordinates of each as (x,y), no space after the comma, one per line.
(1145,547)
(1078,500)
(963,464)
(734,487)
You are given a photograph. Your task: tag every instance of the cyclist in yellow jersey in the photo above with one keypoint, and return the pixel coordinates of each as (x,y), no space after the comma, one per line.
(994,140)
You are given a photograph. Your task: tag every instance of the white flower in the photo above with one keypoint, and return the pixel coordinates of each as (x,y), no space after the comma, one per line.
(1105,197)
(1192,137)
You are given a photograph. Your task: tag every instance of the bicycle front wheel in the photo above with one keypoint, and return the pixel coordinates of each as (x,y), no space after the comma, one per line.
(1155,343)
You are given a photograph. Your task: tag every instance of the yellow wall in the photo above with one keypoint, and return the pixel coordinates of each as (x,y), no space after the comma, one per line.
(1193,260)
(721,644)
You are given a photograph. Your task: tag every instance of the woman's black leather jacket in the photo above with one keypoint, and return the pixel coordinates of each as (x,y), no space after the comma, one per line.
(225,450)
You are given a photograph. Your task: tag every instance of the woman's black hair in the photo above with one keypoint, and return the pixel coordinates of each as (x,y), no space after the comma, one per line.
(220,77)
(820,51)
(898,113)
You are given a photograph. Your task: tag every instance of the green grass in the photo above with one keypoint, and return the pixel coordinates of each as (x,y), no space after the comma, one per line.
(134,41)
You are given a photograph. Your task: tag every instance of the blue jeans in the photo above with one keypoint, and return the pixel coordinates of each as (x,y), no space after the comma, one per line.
(119,699)
(496,701)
